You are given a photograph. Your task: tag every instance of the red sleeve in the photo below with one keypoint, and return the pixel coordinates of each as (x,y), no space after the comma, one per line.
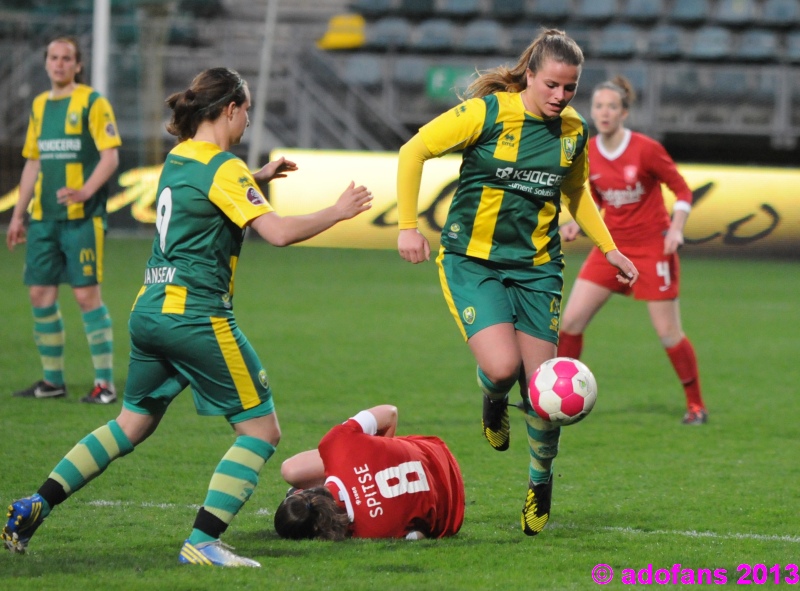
(662,167)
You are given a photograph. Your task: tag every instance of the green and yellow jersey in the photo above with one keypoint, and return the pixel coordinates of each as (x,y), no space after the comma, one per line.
(515,167)
(66,135)
(206,197)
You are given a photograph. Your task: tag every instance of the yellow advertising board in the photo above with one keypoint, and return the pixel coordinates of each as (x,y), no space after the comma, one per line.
(737,210)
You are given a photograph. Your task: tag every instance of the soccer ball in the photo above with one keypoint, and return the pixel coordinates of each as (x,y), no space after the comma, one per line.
(562,391)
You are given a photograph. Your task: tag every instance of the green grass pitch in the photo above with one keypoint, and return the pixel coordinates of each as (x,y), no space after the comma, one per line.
(341,330)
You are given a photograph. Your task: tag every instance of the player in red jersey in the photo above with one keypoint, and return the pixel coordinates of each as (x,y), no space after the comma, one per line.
(364,482)
(626,170)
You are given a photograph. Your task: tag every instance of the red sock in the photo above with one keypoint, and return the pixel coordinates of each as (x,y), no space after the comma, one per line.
(570,345)
(684,361)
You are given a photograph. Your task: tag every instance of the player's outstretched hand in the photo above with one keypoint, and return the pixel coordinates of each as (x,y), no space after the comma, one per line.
(569,231)
(628,273)
(413,246)
(276,169)
(353,201)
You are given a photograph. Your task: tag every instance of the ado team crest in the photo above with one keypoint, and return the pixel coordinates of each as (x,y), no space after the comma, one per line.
(568,147)
(468,315)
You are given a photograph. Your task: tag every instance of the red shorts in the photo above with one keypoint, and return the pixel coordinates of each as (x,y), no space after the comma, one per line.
(659,274)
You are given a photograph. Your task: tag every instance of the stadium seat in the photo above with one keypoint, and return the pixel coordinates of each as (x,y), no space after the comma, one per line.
(372,9)
(388,33)
(417,9)
(726,85)
(208,9)
(583,36)
(643,11)
(436,35)
(363,69)
(595,11)
(410,72)
(459,9)
(507,10)
(482,36)
(637,75)
(665,42)
(520,36)
(735,13)
(793,47)
(710,43)
(680,85)
(345,31)
(550,12)
(758,45)
(690,12)
(617,41)
(591,76)
(780,13)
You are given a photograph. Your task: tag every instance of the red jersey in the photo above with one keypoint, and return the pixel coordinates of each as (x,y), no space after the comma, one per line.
(626,183)
(391,486)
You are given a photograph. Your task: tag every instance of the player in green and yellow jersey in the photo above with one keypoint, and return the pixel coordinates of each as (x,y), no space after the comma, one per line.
(500,262)
(71,152)
(183,332)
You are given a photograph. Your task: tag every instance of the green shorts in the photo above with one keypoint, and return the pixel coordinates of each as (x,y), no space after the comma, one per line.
(210,354)
(480,293)
(68,251)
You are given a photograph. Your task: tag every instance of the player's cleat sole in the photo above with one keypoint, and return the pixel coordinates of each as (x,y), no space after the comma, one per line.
(213,554)
(41,389)
(495,423)
(24,517)
(695,417)
(536,510)
(101,394)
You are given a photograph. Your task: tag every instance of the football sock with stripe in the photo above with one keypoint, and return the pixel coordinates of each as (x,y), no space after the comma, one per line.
(492,390)
(542,445)
(234,480)
(48,332)
(87,460)
(97,324)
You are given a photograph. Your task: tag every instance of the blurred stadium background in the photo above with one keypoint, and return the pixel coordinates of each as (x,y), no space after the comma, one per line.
(718,80)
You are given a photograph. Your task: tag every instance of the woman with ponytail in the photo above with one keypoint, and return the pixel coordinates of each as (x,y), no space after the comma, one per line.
(500,262)
(182,328)
(627,169)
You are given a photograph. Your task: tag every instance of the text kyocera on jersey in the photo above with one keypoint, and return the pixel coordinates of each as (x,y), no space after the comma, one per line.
(541,177)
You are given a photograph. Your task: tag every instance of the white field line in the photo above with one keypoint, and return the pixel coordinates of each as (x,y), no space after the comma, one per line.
(687,534)
(622,530)
(102,503)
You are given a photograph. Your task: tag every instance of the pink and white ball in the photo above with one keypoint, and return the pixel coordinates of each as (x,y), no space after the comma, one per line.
(562,391)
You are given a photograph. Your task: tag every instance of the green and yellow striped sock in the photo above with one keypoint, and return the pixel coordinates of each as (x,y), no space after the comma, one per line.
(97,324)
(233,482)
(91,456)
(542,445)
(48,332)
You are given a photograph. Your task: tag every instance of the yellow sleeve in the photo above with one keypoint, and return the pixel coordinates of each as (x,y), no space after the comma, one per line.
(103,126)
(30,150)
(578,197)
(235,192)
(409,177)
(453,130)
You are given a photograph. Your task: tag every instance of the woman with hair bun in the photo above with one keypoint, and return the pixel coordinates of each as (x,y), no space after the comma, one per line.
(626,172)
(182,328)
